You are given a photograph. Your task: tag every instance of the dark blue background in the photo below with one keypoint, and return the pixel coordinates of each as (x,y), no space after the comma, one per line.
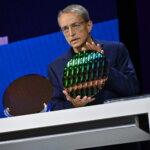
(22,19)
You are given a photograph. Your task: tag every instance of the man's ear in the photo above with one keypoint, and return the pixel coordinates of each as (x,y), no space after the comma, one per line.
(89,25)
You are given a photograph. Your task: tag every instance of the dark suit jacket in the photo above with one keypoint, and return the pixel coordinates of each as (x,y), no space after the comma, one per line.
(122,80)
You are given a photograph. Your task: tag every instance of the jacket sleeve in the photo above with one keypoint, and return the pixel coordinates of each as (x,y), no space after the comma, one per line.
(58,100)
(122,78)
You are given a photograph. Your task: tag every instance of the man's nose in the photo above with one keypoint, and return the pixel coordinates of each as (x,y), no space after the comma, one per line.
(71,31)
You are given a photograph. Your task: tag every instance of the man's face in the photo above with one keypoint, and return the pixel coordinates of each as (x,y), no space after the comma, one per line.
(75,29)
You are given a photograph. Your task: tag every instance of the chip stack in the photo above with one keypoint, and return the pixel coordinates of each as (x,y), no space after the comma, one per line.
(82,73)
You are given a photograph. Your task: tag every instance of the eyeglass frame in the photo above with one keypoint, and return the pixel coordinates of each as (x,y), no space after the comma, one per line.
(75,27)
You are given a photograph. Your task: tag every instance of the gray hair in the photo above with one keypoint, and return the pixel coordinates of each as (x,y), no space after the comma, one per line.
(75,8)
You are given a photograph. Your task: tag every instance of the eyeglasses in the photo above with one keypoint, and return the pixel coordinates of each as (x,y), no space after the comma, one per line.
(74,27)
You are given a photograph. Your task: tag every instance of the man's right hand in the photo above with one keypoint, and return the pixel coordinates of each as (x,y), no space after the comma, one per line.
(78,101)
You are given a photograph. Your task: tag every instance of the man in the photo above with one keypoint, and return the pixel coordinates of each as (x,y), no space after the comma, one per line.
(76,26)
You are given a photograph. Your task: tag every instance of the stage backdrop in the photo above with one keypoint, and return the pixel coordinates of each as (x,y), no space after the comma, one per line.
(36,41)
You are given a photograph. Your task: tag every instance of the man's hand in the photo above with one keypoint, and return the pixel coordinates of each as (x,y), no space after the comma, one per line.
(93,46)
(78,101)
